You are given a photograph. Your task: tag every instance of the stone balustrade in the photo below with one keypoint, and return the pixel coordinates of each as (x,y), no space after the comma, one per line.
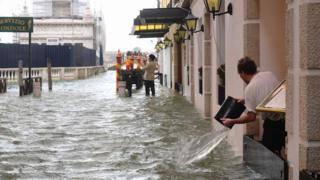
(58,73)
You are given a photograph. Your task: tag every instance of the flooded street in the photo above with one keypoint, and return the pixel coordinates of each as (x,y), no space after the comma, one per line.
(83,130)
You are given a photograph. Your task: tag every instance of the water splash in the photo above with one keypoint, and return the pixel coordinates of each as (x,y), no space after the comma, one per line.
(199,147)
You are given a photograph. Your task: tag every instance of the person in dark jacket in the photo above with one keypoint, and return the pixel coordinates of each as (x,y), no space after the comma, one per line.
(129,79)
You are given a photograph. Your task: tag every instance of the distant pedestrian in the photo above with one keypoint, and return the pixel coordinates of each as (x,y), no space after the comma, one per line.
(149,69)
(128,78)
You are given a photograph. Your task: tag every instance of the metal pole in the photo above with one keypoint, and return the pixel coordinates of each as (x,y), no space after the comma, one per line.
(20,79)
(49,74)
(30,64)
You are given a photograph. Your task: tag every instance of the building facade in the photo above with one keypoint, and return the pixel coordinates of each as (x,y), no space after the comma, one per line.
(66,22)
(58,9)
(282,36)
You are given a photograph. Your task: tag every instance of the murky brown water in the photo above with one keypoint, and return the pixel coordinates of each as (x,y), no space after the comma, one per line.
(83,130)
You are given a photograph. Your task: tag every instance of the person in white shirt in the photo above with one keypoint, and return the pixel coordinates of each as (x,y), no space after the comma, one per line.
(259,85)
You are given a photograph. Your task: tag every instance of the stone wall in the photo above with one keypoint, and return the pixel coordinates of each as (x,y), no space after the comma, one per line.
(303,84)
(309,153)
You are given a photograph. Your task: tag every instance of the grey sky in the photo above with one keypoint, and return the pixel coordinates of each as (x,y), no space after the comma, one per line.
(118,14)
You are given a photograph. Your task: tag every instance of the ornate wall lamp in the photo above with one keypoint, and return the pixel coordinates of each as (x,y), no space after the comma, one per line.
(167,42)
(180,34)
(159,46)
(213,6)
(191,23)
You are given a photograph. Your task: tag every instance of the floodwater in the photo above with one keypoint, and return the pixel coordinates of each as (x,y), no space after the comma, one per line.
(83,130)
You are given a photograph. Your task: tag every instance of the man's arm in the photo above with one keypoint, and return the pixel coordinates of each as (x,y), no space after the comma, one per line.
(249,117)
(146,66)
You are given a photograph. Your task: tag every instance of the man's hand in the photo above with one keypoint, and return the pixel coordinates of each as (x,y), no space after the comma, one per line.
(227,122)
(240,100)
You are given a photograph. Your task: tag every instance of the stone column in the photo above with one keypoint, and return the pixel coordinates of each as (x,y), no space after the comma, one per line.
(207,70)
(303,95)
(252,30)
(192,83)
(309,85)
(252,46)
(174,65)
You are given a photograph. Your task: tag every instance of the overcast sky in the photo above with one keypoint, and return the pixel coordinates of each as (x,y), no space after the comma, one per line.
(118,14)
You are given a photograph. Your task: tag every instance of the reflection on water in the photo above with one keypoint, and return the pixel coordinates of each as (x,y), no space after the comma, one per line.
(82,130)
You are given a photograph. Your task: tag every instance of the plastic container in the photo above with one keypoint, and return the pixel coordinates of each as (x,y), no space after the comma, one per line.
(230,109)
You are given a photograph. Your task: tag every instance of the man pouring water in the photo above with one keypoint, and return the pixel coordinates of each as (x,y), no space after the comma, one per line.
(259,85)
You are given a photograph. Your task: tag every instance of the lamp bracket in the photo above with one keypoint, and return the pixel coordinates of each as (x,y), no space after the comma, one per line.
(183,40)
(229,11)
(200,30)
